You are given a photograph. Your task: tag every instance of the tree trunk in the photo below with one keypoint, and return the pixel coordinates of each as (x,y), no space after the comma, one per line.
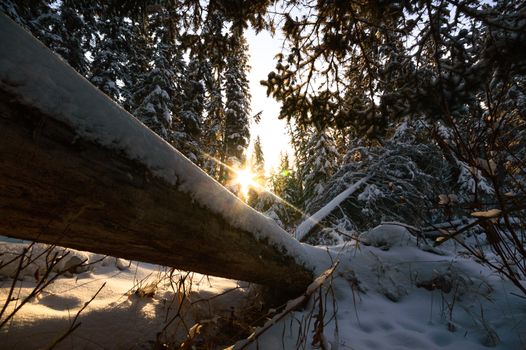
(58,186)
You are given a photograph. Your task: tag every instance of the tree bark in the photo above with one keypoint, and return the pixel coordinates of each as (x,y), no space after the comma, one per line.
(56,188)
(60,188)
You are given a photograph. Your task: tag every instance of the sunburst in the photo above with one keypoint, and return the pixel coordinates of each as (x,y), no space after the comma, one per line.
(246,180)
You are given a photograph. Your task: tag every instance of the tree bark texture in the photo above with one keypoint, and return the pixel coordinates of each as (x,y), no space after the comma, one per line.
(56,188)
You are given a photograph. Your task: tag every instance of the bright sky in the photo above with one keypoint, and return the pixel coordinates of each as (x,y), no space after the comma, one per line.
(271,130)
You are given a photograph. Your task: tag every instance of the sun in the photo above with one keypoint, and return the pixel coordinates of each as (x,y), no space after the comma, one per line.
(246,180)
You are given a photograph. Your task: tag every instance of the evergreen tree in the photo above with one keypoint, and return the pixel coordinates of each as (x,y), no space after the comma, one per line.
(237,106)
(258,159)
(37,16)
(158,92)
(155,110)
(66,29)
(138,56)
(283,205)
(257,165)
(12,9)
(109,54)
(76,29)
(213,46)
(213,126)
(319,160)
(191,112)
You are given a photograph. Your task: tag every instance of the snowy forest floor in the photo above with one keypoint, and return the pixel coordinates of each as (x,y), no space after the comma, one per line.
(391,293)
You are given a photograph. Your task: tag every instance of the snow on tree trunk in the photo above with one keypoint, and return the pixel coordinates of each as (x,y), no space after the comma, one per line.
(79,171)
(313,221)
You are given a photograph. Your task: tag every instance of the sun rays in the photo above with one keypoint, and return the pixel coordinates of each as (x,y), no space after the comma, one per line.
(245,180)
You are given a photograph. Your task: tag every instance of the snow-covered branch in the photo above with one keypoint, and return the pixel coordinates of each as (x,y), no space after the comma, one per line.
(306,226)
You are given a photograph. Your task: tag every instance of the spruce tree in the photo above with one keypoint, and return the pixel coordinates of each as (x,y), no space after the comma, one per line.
(158,94)
(258,159)
(109,54)
(237,107)
(318,162)
(77,29)
(257,167)
(37,16)
(138,55)
(66,29)
(213,126)
(287,193)
(188,132)
(213,46)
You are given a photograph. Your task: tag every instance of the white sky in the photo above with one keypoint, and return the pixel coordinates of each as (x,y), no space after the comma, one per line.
(271,130)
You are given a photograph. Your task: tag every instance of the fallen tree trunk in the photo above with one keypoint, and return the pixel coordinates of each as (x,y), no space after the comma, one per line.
(78,171)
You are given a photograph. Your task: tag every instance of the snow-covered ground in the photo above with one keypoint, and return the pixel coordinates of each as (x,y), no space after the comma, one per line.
(136,302)
(394,293)
(397,294)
